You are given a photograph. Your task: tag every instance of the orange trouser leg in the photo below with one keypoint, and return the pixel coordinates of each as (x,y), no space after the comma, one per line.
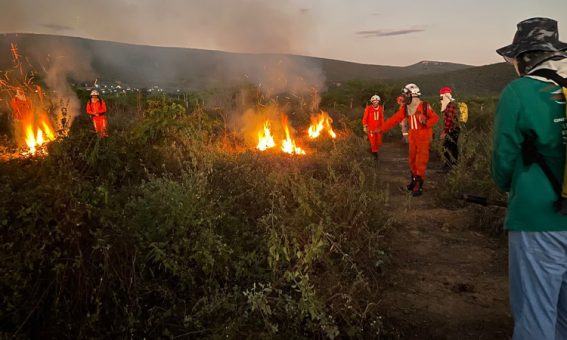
(100,125)
(412,157)
(421,158)
(375,141)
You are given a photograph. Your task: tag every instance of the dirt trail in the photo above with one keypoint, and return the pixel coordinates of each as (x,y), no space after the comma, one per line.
(446,279)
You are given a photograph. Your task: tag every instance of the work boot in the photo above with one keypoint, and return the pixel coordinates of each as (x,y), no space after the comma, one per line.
(411,184)
(418,187)
(375,154)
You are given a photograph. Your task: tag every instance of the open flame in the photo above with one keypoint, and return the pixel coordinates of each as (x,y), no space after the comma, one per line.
(319,123)
(37,137)
(27,103)
(265,138)
(288,144)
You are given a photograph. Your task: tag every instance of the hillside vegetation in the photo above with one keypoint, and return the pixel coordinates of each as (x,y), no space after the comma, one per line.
(176,227)
(146,66)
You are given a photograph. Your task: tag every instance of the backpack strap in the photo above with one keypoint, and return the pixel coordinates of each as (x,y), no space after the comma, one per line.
(531,155)
(424,108)
(550,74)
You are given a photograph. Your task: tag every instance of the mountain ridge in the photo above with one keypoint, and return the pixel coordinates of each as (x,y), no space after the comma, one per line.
(190,68)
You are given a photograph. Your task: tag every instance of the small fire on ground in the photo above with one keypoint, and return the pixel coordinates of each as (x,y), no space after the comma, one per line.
(266,139)
(29,106)
(319,124)
(37,136)
(288,144)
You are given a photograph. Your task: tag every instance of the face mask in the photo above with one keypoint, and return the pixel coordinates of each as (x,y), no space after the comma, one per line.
(407,99)
(445,100)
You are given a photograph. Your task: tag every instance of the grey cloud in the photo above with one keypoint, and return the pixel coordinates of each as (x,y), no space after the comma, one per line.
(386,33)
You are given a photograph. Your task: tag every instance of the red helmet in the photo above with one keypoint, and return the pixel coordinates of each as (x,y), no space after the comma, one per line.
(445,90)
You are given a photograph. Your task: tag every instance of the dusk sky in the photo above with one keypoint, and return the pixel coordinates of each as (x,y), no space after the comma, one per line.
(366,31)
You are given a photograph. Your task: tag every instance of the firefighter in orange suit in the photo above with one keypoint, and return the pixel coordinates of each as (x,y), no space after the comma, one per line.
(420,119)
(96,107)
(20,105)
(22,110)
(372,121)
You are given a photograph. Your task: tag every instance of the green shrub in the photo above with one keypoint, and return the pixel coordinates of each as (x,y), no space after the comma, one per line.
(161,230)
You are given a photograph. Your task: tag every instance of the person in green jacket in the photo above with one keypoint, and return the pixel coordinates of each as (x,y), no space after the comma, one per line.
(537,233)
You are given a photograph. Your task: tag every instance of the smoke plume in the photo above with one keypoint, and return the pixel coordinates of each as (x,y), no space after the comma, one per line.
(62,63)
(267,35)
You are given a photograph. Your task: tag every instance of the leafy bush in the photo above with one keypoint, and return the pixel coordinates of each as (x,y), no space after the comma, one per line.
(163,231)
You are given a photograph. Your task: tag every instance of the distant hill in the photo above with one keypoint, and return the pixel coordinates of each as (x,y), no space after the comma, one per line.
(144,66)
(475,81)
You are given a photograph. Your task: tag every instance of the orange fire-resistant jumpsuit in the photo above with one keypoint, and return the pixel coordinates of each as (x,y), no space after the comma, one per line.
(20,108)
(97,110)
(420,134)
(373,119)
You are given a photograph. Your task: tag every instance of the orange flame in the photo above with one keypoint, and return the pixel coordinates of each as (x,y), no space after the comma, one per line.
(48,131)
(265,139)
(35,139)
(319,123)
(288,144)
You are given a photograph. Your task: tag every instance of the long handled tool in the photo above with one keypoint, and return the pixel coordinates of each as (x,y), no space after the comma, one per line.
(484,201)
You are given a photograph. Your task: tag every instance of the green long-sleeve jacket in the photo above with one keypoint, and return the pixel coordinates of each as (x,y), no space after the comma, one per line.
(529,104)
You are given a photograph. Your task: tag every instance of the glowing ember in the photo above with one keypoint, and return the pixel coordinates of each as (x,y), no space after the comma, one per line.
(265,139)
(319,123)
(288,144)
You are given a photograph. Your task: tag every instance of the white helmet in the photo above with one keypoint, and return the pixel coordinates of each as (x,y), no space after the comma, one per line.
(94,93)
(412,89)
(375,98)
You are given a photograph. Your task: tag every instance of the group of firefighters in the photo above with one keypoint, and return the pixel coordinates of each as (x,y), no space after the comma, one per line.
(416,118)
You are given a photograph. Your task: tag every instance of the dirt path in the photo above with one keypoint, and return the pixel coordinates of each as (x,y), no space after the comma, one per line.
(446,278)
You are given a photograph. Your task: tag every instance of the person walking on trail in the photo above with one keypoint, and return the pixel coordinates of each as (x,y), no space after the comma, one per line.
(404,123)
(528,127)
(372,121)
(451,131)
(421,119)
(96,108)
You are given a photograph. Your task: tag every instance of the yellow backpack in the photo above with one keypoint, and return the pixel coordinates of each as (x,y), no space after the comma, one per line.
(464,112)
